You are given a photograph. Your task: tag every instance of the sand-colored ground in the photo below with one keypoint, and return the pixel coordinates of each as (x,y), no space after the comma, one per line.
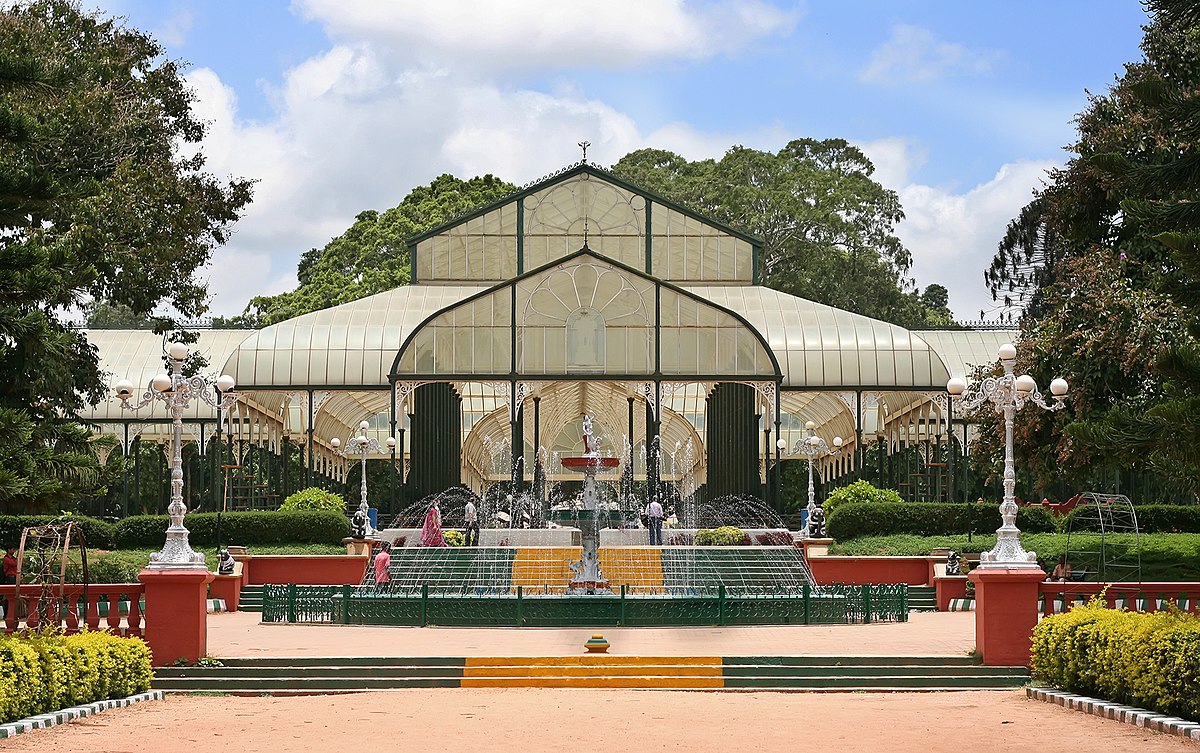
(486,720)
(527,720)
(241,634)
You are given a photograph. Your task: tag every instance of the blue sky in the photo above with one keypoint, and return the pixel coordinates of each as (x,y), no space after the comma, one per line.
(342,105)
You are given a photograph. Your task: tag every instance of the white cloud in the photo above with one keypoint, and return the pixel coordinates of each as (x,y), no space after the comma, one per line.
(894,158)
(551,33)
(913,55)
(173,31)
(953,236)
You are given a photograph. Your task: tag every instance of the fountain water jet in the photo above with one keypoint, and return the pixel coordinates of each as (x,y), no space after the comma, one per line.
(587,576)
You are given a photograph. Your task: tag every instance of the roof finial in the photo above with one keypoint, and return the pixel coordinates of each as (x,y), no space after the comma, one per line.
(584,146)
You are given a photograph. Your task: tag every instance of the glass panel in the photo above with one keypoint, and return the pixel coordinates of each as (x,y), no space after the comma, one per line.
(585,317)
(689,250)
(556,216)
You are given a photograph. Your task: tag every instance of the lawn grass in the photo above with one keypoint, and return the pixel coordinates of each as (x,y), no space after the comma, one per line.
(1164,556)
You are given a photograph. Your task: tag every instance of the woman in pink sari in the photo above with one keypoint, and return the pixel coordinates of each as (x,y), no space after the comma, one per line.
(431,532)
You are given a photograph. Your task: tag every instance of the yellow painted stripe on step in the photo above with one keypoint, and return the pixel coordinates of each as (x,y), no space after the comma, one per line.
(639,567)
(543,566)
(600,670)
(595,682)
(591,660)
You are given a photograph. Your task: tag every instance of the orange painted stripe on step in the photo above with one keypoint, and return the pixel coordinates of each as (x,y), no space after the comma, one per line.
(594,682)
(592,660)
(601,670)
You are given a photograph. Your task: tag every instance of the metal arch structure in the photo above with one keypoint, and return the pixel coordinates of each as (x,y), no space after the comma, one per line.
(1106,560)
(44,555)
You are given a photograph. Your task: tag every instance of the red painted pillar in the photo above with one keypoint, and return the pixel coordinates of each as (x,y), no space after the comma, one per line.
(1005,613)
(176,620)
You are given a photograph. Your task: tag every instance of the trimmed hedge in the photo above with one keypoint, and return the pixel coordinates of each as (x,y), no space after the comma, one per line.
(1147,660)
(1151,519)
(99,534)
(242,528)
(851,520)
(44,673)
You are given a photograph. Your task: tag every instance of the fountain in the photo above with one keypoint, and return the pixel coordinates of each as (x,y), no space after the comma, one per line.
(587,578)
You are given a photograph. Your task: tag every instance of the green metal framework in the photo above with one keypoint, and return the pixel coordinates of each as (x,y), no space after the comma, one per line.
(363,605)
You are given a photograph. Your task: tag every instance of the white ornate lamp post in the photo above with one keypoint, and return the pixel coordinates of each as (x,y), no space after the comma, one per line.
(362,445)
(1008,394)
(177,392)
(812,447)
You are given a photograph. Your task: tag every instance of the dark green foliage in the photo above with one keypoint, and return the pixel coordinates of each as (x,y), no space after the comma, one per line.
(828,228)
(241,528)
(1106,258)
(1150,518)
(854,519)
(97,533)
(96,204)
(371,256)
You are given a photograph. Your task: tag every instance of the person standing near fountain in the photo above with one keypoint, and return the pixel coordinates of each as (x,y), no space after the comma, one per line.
(431,531)
(383,561)
(471,518)
(654,517)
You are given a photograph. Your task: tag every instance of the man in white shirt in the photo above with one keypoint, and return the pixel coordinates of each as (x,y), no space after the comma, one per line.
(471,516)
(654,516)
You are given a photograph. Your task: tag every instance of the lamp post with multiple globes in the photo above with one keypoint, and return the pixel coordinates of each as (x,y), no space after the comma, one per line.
(811,447)
(178,392)
(1007,393)
(362,445)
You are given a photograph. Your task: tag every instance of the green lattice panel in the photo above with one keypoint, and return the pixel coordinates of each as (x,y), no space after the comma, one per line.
(672,611)
(572,611)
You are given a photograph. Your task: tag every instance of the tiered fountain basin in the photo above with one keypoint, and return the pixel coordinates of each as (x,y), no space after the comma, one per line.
(594,463)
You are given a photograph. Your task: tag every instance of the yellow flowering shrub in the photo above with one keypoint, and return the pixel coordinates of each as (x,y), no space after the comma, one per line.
(1147,660)
(42,673)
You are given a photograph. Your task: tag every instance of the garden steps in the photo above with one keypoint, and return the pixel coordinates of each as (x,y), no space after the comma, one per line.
(922,599)
(316,675)
(251,599)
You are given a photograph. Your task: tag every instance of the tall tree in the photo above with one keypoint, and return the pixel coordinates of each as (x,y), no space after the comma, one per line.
(103,196)
(371,256)
(1162,200)
(828,228)
(1090,265)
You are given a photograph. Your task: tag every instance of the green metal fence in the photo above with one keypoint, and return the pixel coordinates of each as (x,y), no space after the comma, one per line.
(358,605)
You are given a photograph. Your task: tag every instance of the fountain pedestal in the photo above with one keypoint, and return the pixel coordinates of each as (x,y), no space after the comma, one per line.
(588,578)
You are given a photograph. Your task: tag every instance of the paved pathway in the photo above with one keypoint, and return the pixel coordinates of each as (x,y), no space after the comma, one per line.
(926,634)
(599,721)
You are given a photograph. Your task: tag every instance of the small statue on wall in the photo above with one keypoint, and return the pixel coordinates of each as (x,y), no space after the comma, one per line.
(360,524)
(953,563)
(816,523)
(225,563)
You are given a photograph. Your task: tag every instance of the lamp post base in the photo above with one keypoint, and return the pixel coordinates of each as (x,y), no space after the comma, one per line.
(1006,612)
(177,554)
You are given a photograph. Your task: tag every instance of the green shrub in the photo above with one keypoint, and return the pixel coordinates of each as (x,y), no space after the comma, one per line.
(851,520)
(1150,518)
(313,499)
(723,536)
(861,491)
(97,533)
(242,528)
(1147,660)
(110,567)
(44,673)
(454,538)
